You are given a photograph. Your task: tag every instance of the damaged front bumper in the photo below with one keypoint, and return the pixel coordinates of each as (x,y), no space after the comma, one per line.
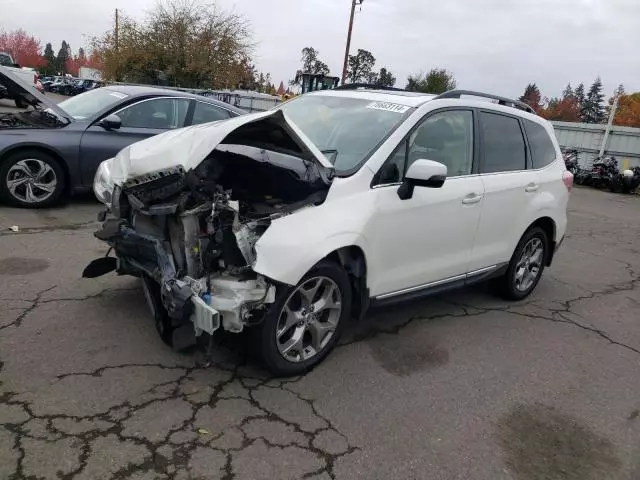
(230,301)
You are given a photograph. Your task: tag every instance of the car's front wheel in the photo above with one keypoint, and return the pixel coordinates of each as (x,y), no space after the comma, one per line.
(305,321)
(31,178)
(526,265)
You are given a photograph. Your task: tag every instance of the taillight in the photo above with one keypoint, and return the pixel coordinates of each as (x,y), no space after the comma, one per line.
(567,179)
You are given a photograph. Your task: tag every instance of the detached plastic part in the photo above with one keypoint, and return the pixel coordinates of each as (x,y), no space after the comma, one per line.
(205,318)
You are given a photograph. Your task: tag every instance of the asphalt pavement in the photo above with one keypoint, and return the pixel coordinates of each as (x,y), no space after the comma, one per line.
(459,386)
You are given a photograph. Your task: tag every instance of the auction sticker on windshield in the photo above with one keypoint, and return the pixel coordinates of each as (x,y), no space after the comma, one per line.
(388,107)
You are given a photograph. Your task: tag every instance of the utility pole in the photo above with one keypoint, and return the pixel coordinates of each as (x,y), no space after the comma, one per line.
(607,130)
(116,32)
(346,53)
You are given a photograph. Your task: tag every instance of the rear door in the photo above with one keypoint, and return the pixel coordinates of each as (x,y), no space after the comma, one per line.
(139,121)
(510,187)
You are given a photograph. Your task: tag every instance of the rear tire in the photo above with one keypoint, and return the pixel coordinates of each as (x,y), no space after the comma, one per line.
(308,312)
(526,265)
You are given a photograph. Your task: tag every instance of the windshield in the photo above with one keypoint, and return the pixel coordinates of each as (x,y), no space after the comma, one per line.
(346,130)
(5,60)
(88,104)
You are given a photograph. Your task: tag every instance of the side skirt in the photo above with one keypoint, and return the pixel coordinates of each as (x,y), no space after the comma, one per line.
(440,286)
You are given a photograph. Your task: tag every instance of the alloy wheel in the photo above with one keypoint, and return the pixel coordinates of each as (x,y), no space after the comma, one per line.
(31,180)
(309,319)
(529,266)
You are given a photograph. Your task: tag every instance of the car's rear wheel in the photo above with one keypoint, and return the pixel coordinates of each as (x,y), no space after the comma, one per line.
(305,321)
(31,178)
(526,265)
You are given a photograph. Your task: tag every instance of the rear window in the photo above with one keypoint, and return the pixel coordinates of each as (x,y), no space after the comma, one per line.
(502,143)
(542,150)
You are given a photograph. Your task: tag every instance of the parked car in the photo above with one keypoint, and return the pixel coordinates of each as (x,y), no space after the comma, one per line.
(289,222)
(53,150)
(82,86)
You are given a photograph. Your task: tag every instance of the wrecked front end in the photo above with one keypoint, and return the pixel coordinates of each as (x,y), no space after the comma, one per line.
(190,234)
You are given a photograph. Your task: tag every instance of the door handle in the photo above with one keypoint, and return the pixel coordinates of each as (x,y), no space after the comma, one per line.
(532,187)
(471,199)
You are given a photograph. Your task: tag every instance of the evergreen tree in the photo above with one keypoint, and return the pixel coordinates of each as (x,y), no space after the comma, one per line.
(567,92)
(63,55)
(532,96)
(580,99)
(50,57)
(593,110)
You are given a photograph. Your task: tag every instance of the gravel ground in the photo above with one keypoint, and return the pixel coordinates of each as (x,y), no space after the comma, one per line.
(459,386)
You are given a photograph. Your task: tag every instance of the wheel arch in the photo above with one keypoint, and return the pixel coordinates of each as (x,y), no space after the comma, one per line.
(548,225)
(44,149)
(352,258)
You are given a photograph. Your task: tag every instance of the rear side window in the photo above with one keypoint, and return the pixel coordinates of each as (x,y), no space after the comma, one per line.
(502,144)
(542,150)
(205,112)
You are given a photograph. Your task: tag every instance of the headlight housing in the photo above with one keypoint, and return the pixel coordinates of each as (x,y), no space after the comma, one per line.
(103,183)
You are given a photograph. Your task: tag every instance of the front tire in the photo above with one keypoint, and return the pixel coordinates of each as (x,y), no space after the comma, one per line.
(526,265)
(161,319)
(305,322)
(32,179)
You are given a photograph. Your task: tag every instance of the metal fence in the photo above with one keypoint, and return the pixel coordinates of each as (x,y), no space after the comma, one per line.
(587,139)
(247,100)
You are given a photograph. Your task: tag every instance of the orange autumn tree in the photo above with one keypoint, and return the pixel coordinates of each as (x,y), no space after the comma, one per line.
(73,64)
(628,113)
(24,48)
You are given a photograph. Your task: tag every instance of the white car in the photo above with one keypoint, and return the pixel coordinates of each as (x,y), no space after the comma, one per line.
(292,221)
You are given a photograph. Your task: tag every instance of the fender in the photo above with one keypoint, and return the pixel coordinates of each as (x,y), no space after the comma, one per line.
(293,244)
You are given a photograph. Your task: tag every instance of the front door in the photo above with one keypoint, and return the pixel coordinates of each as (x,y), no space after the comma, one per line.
(139,121)
(428,238)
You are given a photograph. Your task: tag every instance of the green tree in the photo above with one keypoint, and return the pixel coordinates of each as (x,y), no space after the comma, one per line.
(385,78)
(64,54)
(437,80)
(567,92)
(188,43)
(593,109)
(311,63)
(360,67)
(532,97)
(580,99)
(50,57)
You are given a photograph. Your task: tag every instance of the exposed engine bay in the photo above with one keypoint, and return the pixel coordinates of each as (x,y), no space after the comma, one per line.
(29,119)
(193,233)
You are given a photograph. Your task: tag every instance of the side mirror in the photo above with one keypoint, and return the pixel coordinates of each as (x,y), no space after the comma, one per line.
(16,65)
(422,173)
(111,122)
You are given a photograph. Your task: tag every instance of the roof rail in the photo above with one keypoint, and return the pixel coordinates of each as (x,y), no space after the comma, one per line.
(370,86)
(501,100)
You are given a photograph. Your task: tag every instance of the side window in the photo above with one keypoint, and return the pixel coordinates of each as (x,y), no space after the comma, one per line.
(542,150)
(164,113)
(503,144)
(446,137)
(205,112)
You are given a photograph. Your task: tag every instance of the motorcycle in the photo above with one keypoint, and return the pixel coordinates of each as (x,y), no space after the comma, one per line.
(626,181)
(571,161)
(603,172)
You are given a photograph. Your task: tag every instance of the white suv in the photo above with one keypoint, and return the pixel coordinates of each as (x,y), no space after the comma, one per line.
(291,221)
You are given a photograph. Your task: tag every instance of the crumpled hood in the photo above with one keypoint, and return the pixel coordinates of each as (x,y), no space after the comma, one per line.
(188,147)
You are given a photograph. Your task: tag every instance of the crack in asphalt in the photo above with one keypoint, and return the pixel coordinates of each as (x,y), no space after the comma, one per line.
(173,457)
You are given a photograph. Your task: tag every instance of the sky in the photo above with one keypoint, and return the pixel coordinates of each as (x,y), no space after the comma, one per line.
(496,46)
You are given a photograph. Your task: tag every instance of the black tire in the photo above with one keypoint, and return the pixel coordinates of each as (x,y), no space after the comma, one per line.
(11,160)
(161,318)
(508,284)
(264,335)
